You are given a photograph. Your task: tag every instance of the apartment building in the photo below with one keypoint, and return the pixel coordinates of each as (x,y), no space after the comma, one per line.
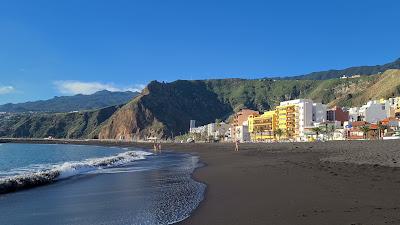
(218,130)
(319,113)
(290,117)
(337,114)
(242,133)
(375,111)
(295,115)
(239,119)
(395,105)
(262,127)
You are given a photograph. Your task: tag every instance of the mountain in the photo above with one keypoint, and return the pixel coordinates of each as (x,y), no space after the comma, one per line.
(164,109)
(359,70)
(59,125)
(78,102)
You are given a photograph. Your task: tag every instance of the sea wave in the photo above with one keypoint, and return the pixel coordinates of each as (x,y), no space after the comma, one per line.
(51,173)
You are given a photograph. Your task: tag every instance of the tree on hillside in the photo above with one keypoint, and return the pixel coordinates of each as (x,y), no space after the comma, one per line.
(365,129)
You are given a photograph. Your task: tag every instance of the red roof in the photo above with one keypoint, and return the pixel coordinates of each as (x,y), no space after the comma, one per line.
(358,123)
(373,127)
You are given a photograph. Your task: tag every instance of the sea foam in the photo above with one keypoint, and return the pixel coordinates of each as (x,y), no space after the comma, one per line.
(50,173)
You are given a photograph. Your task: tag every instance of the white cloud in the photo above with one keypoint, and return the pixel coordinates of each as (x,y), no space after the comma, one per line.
(79,87)
(6,89)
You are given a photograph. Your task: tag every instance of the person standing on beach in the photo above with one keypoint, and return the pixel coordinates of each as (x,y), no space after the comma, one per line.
(155,146)
(159,147)
(236,145)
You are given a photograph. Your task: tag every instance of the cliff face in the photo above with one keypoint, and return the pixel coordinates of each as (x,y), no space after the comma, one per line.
(134,120)
(164,109)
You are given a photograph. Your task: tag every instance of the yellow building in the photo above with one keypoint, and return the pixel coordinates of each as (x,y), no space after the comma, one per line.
(288,120)
(262,127)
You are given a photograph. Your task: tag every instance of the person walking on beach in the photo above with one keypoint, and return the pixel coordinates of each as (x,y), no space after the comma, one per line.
(159,147)
(237,145)
(155,146)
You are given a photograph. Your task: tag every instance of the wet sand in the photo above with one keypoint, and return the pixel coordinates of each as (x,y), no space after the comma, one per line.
(328,183)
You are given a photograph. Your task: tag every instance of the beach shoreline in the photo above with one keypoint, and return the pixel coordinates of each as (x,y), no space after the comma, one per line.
(339,182)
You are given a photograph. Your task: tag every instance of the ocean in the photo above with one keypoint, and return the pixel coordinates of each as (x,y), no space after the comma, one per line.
(78,184)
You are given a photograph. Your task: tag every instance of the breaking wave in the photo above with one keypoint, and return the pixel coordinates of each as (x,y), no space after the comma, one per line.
(50,173)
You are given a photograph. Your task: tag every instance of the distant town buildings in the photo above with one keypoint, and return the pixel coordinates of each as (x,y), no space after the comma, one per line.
(288,121)
(242,133)
(337,114)
(374,111)
(305,120)
(213,131)
(192,125)
(239,126)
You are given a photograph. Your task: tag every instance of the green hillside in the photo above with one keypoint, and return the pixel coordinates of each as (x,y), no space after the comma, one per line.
(164,109)
(58,125)
(357,70)
(98,100)
(169,106)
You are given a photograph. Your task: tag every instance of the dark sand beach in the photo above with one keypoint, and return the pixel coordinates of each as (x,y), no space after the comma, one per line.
(342,182)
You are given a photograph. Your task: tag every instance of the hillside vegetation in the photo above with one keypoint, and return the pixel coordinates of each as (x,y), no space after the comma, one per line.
(60,125)
(357,70)
(98,100)
(164,109)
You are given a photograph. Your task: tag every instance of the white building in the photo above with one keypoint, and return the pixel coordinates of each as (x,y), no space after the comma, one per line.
(307,113)
(192,125)
(218,131)
(394,102)
(242,133)
(319,112)
(339,134)
(375,111)
(199,130)
(354,114)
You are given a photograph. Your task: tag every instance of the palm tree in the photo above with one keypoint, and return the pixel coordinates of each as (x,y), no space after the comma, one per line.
(317,131)
(329,130)
(381,130)
(365,129)
(279,133)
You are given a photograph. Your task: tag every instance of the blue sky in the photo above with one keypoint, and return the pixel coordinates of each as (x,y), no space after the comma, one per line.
(64,47)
